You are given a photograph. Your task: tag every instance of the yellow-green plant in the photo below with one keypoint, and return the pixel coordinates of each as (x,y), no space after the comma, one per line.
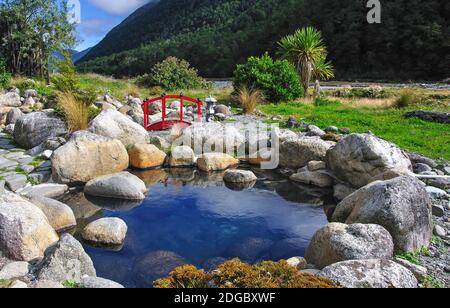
(75,112)
(249,99)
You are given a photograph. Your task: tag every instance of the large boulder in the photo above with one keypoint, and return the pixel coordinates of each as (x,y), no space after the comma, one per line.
(401,205)
(34,128)
(123,185)
(66,260)
(59,215)
(113,124)
(182,156)
(315,178)
(25,232)
(339,242)
(13,115)
(216,161)
(10,99)
(298,152)
(87,156)
(145,156)
(106,231)
(239,176)
(373,273)
(359,158)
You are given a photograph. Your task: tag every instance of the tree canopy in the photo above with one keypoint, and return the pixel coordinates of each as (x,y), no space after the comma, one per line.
(412,41)
(31,30)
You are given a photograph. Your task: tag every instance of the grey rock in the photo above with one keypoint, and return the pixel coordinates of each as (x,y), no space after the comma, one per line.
(65,261)
(16,181)
(401,205)
(99,283)
(26,233)
(14,270)
(421,167)
(313,131)
(438,210)
(239,176)
(40,176)
(182,156)
(9,129)
(106,231)
(121,185)
(298,263)
(342,191)
(419,272)
(159,142)
(34,128)
(30,93)
(10,99)
(13,115)
(442,182)
(316,165)
(46,284)
(419,159)
(437,193)
(18,285)
(339,242)
(298,152)
(439,231)
(316,178)
(113,124)
(332,129)
(59,215)
(359,158)
(45,190)
(370,274)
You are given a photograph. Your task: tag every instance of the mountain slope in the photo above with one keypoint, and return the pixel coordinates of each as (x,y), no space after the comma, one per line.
(214,35)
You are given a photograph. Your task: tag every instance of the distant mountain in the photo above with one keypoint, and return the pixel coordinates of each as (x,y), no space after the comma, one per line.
(215,35)
(77,56)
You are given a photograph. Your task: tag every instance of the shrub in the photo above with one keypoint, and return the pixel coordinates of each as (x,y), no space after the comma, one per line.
(236,274)
(185,277)
(407,97)
(66,80)
(75,112)
(5,77)
(173,74)
(249,99)
(278,80)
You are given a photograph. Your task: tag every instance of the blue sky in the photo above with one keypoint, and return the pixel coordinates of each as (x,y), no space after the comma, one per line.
(98,17)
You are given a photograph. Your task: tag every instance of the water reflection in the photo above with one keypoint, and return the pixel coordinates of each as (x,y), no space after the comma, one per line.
(193,217)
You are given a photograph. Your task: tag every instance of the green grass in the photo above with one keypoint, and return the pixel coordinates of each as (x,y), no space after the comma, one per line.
(37,161)
(427,138)
(70,284)
(432,282)
(414,257)
(5,284)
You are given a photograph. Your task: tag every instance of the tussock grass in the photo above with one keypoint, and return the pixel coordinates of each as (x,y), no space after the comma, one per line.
(133,90)
(75,112)
(249,99)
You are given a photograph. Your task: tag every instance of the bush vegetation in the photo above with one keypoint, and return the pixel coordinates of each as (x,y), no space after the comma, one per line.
(278,80)
(5,77)
(236,274)
(173,74)
(214,36)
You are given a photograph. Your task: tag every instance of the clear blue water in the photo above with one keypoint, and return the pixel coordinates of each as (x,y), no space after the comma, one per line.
(191,218)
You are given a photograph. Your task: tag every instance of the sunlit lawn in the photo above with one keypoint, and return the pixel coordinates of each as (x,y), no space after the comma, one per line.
(427,138)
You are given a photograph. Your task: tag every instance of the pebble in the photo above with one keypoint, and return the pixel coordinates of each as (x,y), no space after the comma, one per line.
(438,210)
(439,231)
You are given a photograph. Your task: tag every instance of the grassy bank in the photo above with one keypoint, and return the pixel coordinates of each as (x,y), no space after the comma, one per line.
(382,116)
(427,138)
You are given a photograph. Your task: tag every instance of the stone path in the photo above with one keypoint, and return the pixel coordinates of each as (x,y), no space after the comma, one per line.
(18,169)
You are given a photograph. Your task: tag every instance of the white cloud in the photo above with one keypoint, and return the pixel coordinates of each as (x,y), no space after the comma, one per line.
(118,7)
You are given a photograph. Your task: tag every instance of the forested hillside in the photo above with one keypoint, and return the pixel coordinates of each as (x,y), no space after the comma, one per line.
(214,35)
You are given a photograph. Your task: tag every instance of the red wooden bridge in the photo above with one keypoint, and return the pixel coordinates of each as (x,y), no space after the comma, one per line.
(164,123)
